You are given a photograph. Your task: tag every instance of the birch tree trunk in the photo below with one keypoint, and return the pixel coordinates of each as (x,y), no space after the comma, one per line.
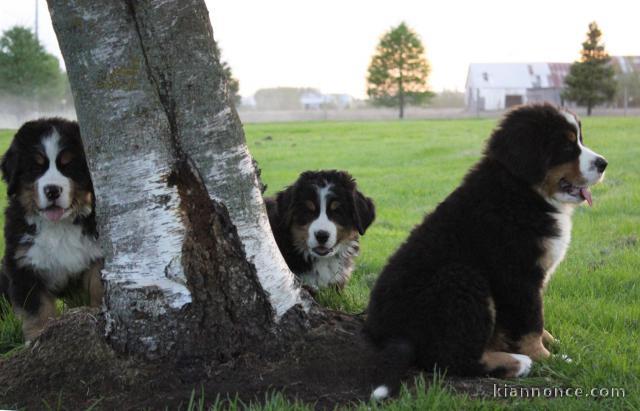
(168,160)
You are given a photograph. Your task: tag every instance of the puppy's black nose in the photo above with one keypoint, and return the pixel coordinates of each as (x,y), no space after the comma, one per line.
(52,192)
(322,236)
(600,164)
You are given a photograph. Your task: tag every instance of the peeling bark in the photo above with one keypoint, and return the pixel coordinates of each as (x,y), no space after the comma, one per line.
(192,89)
(168,159)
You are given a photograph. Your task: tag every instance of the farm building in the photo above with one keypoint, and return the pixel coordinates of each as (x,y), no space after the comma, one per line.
(496,86)
(626,64)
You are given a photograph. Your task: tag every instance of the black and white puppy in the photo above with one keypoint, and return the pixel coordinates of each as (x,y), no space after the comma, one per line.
(464,292)
(317,223)
(50,231)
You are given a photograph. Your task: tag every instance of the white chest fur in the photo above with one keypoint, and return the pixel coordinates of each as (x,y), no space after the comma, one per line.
(58,251)
(332,270)
(555,248)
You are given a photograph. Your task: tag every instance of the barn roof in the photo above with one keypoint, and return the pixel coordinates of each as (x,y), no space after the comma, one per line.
(626,64)
(534,75)
(517,75)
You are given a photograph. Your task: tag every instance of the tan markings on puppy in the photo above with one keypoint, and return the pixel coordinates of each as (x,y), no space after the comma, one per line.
(569,171)
(81,201)
(27,198)
(32,325)
(300,235)
(498,340)
(21,252)
(345,234)
(66,156)
(92,283)
(547,338)
(498,359)
(310,205)
(491,305)
(547,259)
(40,159)
(531,345)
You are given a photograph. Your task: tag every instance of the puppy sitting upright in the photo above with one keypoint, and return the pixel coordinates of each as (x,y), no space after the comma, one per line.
(464,292)
(50,230)
(317,223)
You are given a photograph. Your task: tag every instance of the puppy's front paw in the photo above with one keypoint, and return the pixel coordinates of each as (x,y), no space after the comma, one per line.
(525,364)
(548,339)
(532,346)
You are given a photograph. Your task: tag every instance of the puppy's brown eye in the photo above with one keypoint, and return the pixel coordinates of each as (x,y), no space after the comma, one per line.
(66,157)
(310,206)
(40,160)
(334,205)
(571,136)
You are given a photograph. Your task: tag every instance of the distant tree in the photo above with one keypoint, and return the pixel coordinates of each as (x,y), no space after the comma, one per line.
(398,70)
(233,85)
(591,80)
(26,69)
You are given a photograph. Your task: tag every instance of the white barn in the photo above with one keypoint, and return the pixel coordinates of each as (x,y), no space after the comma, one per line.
(497,86)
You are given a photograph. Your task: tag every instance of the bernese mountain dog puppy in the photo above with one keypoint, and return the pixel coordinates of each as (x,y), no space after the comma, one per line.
(464,292)
(51,245)
(317,223)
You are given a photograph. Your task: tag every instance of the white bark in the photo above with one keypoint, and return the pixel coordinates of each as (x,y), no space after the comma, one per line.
(211,133)
(231,178)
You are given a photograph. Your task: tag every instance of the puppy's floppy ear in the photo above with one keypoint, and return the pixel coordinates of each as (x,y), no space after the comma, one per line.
(364,211)
(284,202)
(520,143)
(9,166)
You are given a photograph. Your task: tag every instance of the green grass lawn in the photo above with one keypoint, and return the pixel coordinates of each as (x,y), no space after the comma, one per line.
(592,304)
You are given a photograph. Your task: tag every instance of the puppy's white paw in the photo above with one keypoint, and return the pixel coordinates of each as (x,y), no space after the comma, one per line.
(380,393)
(525,364)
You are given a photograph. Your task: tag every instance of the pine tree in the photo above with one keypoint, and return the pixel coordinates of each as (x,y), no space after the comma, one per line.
(591,80)
(26,69)
(233,85)
(398,70)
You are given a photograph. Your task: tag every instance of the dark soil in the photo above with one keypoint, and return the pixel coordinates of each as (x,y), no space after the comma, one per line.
(331,364)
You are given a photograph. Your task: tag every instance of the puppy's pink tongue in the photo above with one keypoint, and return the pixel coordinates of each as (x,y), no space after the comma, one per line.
(54,213)
(586,194)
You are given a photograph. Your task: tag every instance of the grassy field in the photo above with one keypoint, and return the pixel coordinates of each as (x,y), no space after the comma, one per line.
(592,304)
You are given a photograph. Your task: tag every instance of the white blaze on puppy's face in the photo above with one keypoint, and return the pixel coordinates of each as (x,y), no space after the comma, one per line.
(587,157)
(322,224)
(588,165)
(53,178)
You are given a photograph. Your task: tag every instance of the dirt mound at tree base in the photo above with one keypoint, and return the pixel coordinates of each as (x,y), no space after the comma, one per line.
(331,364)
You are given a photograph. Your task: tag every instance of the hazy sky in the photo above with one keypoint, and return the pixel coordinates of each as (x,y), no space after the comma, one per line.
(328,44)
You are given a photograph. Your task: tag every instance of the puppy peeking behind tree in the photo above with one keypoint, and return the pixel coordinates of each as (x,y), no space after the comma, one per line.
(317,223)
